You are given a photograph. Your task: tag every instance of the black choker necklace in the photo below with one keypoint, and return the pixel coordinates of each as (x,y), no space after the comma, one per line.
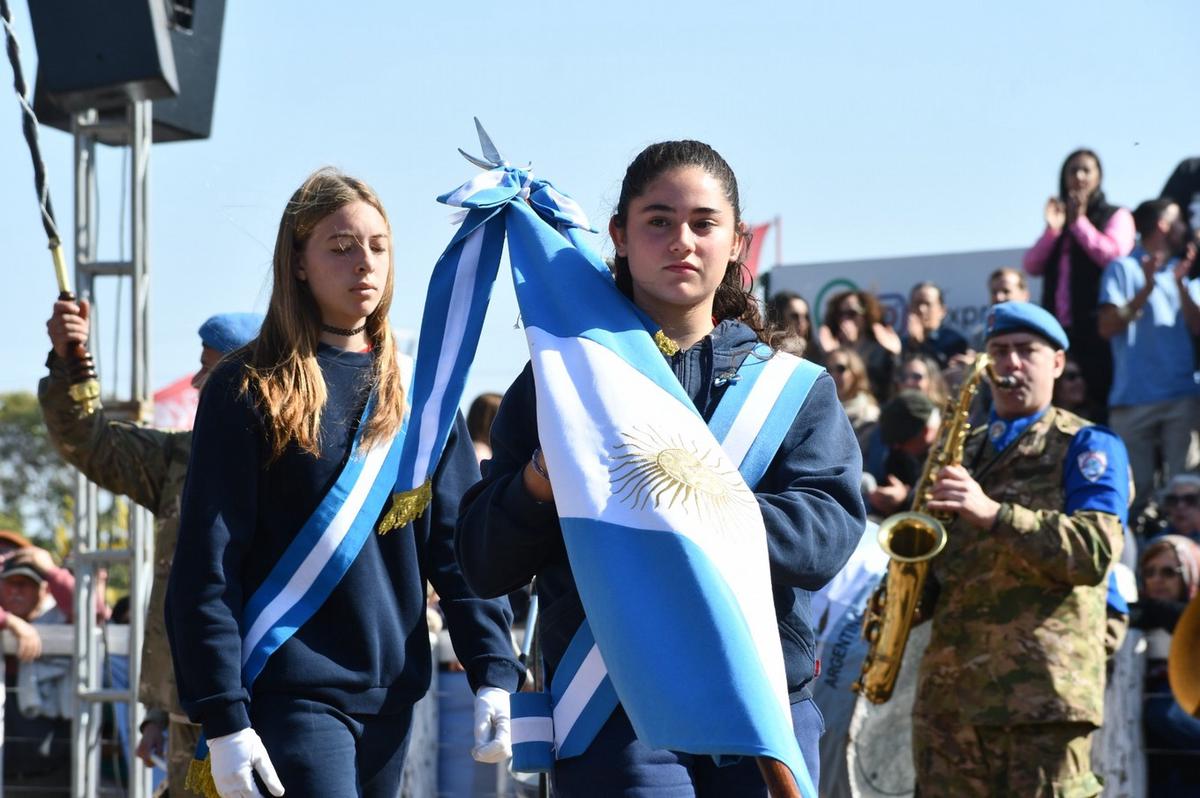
(329,328)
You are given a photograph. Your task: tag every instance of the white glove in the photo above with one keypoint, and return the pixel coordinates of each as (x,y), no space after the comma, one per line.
(493,738)
(234,758)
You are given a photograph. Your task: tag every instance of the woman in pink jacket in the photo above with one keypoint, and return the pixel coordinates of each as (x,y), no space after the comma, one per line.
(1083,234)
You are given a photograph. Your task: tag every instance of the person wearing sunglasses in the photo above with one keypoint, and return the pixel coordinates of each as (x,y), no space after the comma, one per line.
(854,320)
(1070,391)
(920,372)
(853,388)
(1181,507)
(1170,574)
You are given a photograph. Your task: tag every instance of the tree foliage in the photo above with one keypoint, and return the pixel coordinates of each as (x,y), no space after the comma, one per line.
(35,483)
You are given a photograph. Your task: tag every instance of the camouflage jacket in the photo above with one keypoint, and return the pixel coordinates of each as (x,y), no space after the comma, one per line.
(1018,628)
(148,466)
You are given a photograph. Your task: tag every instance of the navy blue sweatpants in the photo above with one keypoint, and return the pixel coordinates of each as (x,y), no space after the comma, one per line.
(616,764)
(322,752)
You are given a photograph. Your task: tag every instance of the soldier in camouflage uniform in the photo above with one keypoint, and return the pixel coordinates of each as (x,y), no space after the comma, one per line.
(1011,686)
(148,466)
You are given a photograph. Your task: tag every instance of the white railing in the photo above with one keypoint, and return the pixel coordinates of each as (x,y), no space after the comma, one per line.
(58,640)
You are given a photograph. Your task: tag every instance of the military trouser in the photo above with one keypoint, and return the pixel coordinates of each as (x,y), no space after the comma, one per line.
(1043,760)
(182,738)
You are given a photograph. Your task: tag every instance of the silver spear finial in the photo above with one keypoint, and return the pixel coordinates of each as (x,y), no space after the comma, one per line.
(492,159)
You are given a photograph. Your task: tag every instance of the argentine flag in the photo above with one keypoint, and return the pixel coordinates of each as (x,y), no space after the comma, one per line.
(665,539)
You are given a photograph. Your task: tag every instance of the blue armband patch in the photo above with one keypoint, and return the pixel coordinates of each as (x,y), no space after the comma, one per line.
(1096,473)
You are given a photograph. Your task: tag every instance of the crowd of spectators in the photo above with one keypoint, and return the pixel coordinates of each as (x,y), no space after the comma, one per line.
(36,592)
(1124,287)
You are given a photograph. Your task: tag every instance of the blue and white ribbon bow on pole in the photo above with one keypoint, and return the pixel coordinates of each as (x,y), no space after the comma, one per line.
(666,541)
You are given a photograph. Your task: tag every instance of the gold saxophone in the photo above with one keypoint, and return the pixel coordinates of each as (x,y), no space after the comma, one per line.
(912,539)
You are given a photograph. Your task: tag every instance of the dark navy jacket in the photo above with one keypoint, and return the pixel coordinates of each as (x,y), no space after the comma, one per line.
(366,650)
(810,500)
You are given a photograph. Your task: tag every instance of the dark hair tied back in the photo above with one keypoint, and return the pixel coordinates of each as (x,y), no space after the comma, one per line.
(733,300)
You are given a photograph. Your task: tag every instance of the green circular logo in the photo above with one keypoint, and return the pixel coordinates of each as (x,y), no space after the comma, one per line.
(831,287)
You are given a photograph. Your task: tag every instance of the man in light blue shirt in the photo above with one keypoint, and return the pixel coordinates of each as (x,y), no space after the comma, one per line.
(1149,313)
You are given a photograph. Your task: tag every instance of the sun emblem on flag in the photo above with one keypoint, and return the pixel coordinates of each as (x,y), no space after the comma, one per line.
(652,470)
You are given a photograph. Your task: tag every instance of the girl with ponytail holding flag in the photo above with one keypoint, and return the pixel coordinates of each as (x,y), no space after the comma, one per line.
(678,236)
(297,629)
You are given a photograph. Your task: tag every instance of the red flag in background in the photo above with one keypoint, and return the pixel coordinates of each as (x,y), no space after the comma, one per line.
(175,405)
(757,234)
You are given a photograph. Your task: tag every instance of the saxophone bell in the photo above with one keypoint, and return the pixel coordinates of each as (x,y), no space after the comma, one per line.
(912,536)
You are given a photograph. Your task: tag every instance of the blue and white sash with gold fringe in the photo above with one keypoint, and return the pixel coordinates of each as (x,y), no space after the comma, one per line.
(313,564)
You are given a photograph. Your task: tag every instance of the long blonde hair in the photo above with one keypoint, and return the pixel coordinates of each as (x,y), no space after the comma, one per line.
(281,369)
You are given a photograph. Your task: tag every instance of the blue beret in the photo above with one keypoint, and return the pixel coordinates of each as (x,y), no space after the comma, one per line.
(1008,317)
(226,332)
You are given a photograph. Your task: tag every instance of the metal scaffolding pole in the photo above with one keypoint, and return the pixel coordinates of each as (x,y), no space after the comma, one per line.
(90,553)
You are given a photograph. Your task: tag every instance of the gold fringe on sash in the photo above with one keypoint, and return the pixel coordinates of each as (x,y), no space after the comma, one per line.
(665,344)
(199,778)
(406,506)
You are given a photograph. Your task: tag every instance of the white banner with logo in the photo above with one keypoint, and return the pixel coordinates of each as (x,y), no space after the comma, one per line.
(962,276)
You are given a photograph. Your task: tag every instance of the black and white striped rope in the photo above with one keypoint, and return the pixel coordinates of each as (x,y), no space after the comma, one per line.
(29,125)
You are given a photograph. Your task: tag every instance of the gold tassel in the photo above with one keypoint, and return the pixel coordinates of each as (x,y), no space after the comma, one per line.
(406,506)
(665,344)
(199,779)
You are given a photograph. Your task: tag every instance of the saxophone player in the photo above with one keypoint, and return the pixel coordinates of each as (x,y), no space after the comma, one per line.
(1011,686)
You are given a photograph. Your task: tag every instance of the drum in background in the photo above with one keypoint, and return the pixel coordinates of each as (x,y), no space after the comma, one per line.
(879,756)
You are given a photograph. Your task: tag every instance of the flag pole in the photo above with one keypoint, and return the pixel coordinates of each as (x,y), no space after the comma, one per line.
(778,224)
(778,777)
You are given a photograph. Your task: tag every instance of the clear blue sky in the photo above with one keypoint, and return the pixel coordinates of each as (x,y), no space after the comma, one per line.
(872,129)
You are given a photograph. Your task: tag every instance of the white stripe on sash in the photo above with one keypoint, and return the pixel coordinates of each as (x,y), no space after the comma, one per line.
(318,558)
(763,396)
(579,692)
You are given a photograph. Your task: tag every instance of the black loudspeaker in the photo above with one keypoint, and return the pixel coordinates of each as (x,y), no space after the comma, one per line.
(103,54)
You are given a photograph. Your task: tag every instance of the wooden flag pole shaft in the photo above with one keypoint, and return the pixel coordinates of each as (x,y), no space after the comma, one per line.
(779,779)
(85,386)
(778,240)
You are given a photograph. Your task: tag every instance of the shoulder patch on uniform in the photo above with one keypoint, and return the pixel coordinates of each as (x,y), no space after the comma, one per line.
(1092,464)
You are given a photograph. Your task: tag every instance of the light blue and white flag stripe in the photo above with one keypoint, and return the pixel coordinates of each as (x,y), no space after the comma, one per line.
(649,502)
(455,306)
(747,422)
(690,558)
